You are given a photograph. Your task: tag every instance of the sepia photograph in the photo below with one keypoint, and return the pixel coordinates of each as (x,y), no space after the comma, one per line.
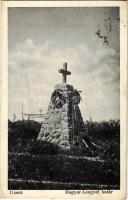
(64,98)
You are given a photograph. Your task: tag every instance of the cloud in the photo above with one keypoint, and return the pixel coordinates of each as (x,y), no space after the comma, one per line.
(104,63)
(33,74)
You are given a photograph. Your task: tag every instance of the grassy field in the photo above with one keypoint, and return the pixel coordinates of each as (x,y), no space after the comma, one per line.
(61,168)
(37,165)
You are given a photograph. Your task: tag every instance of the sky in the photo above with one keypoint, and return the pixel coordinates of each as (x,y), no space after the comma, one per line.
(42,39)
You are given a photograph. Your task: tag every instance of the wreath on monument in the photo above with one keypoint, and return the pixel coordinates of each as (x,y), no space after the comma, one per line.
(75,97)
(59,98)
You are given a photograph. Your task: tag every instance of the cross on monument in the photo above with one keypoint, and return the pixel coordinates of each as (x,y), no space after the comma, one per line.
(64,73)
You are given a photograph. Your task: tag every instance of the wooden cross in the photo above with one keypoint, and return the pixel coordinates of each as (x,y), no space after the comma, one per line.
(40,111)
(64,73)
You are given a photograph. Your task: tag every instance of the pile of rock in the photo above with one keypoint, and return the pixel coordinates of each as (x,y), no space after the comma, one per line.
(60,124)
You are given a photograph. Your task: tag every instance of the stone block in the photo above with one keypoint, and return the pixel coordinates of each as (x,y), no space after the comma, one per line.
(49,139)
(58,126)
(66,119)
(59,131)
(46,133)
(41,134)
(54,141)
(57,136)
(57,110)
(64,143)
(49,122)
(64,123)
(64,114)
(53,136)
(63,127)
(49,128)
(43,138)
(66,131)
(54,132)
(64,109)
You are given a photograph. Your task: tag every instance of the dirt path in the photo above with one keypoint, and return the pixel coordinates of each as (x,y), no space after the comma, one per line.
(68,156)
(86,185)
(85,158)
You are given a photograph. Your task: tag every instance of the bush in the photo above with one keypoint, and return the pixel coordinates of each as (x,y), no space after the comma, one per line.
(104,130)
(111,151)
(22,137)
(26,129)
(42,147)
(78,151)
(63,169)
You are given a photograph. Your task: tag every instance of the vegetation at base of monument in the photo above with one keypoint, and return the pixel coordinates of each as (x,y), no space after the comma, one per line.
(20,133)
(42,147)
(30,159)
(103,130)
(107,135)
(23,135)
(26,129)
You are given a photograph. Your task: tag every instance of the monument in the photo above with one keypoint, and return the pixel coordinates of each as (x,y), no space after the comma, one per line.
(63,121)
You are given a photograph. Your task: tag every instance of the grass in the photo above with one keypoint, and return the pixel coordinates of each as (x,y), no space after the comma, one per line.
(37,165)
(61,168)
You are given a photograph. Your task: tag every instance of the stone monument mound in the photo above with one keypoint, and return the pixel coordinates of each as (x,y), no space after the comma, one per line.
(63,121)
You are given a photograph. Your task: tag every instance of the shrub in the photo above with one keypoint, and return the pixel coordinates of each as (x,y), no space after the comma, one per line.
(26,129)
(111,151)
(63,169)
(103,130)
(42,147)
